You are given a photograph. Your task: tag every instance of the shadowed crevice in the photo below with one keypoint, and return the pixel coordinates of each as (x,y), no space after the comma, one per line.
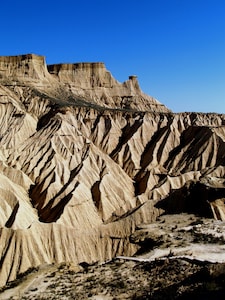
(96,194)
(193,198)
(12,217)
(127,132)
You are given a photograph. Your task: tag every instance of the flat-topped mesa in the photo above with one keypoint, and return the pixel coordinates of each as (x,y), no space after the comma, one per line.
(93,81)
(89,75)
(90,81)
(26,67)
(83,75)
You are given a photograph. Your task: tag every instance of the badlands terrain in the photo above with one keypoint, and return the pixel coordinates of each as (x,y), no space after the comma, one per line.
(104,192)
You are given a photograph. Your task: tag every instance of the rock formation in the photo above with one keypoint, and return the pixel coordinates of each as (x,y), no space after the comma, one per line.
(84,159)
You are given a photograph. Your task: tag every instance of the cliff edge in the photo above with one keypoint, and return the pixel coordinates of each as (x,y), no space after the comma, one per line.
(77,83)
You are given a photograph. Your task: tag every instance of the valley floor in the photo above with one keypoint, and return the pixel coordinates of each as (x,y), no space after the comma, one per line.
(119,279)
(187,263)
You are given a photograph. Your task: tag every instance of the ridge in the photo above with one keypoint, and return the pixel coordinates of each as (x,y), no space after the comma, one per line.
(90,82)
(85,159)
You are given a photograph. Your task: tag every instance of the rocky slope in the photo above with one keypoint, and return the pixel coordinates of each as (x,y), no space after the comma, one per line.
(85,159)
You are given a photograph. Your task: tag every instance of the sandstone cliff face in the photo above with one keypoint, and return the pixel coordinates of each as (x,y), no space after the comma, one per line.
(76,83)
(79,170)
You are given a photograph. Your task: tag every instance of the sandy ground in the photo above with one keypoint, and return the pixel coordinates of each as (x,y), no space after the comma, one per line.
(121,279)
(181,257)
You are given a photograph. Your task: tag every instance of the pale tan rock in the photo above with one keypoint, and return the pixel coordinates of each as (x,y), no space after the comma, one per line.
(93,81)
(74,83)
(80,168)
(218,208)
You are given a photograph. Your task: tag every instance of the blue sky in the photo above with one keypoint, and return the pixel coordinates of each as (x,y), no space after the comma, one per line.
(175,47)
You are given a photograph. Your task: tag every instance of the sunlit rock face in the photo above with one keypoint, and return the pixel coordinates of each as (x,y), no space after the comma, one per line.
(84,159)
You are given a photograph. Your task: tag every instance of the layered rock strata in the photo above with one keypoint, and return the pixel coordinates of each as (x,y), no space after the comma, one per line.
(86,84)
(80,171)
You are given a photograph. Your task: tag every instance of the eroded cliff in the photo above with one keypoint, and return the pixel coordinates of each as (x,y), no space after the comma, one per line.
(84,159)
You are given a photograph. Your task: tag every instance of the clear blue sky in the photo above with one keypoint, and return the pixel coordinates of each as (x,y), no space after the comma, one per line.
(175,47)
